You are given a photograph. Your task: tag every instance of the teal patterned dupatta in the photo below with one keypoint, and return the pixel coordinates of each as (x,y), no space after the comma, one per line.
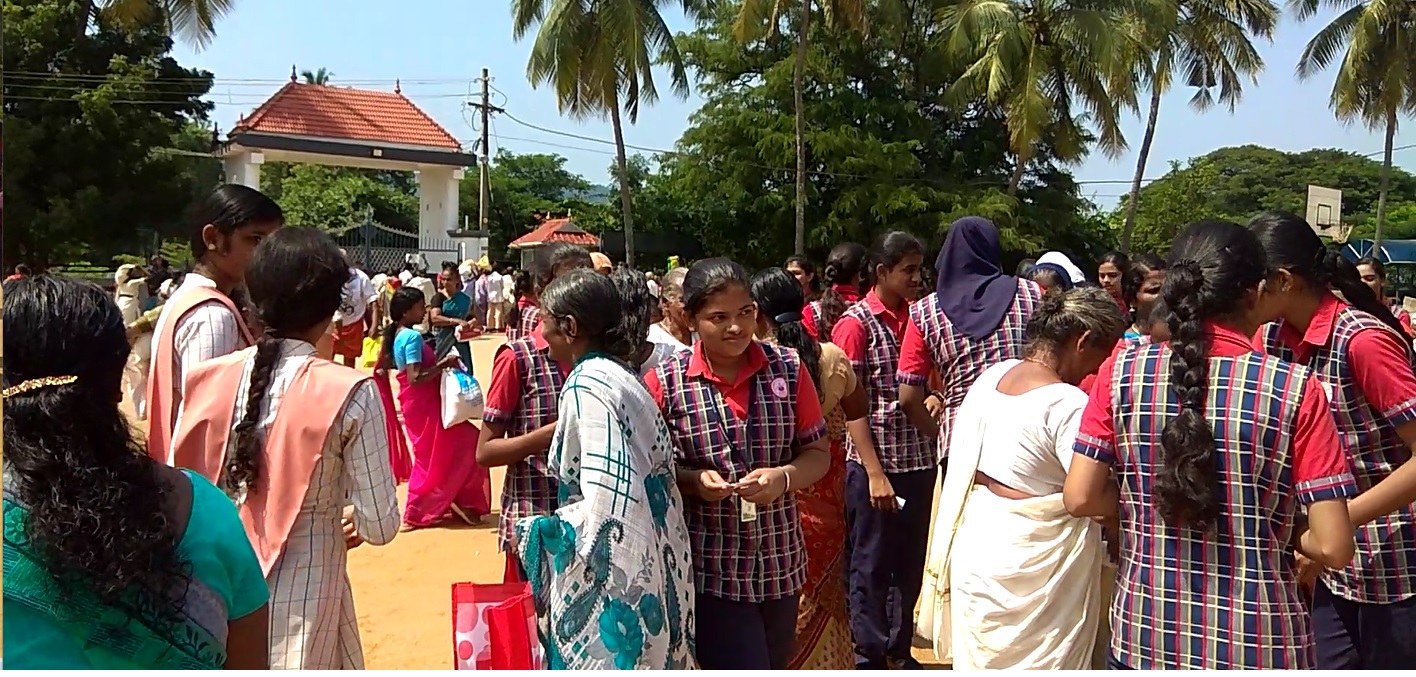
(611,570)
(109,637)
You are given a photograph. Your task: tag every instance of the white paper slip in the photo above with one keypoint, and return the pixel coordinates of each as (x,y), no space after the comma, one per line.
(899,503)
(748,510)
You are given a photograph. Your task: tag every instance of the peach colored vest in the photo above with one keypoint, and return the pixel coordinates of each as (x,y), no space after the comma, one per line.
(309,410)
(162,409)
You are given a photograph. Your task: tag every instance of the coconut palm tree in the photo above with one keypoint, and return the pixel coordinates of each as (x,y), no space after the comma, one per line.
(759,18)
(1208,43)
(1051,67)
(597,55)
(193,20)
(1373,44)
(319,77)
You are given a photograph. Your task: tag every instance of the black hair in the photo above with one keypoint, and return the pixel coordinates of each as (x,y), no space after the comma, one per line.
(1214,265)
(845,265)
(555,258)
(97,517)
(1135,274)
(22,269)
(1376,265)
(599,311)
(707,277)
(295,282)
(636,304)
(1064,314)
(1118,259)
(1160,314)
(399,303)
(1291,245)
(228,208)
(1050,278)
(889,250)
(809,268)
(521,287)
(779,299)
(1024,267)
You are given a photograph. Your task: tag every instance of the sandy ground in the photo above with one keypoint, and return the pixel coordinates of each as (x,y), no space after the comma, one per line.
(403,590)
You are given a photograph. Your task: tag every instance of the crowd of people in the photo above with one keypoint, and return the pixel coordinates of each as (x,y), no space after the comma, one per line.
(1198,461)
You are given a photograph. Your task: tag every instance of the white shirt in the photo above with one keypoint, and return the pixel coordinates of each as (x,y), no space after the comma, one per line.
(429,290)
(206,332)
(359,292)
(1030,436)
(494,288)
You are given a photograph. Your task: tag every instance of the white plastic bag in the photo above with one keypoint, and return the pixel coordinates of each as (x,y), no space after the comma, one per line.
(462,398)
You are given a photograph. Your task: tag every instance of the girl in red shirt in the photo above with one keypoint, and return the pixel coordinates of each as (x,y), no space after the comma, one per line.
(845,268)
(746,421)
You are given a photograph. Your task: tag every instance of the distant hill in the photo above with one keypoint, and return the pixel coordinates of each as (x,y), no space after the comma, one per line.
(595,195)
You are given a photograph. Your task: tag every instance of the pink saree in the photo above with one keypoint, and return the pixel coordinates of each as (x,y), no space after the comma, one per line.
(397,443)
(445,475)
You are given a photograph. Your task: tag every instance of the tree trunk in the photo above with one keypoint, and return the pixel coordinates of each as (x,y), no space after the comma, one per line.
(1386,182)
(798,82)
(626,203)
(1017,180)
(1135,202)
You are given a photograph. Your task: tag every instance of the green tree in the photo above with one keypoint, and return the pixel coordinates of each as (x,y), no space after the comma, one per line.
(758,19)
(194,20)
(335,199)
(319,77)
(84,125)
(1208,43)
(598,56)
(523,185)
(1050,66)
(1373,44)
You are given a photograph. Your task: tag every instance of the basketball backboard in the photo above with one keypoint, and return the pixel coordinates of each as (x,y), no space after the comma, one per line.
(1325,212)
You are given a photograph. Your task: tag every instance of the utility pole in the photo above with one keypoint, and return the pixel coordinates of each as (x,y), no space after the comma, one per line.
(485,107)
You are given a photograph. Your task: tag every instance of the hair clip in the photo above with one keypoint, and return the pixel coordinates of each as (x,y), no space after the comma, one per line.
(37,384)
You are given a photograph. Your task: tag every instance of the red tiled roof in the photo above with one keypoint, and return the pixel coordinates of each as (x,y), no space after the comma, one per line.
(345,113)
(557,230)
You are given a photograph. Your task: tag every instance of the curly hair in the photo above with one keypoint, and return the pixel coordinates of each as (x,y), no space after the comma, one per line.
(97,517)
(295,281)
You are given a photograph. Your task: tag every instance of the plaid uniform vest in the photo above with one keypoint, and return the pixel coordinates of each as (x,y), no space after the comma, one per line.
(900,446)
(1384,570)
(753,561)
(960,359)
(1226,599)
(528,488)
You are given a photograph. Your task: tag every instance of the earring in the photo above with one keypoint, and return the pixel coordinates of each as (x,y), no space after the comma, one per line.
(211,247)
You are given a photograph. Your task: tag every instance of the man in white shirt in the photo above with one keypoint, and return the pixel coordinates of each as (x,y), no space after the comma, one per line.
(496,301)
(359,297)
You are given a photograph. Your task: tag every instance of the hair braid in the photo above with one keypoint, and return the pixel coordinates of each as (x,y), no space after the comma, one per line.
(243,467)
(1187,486)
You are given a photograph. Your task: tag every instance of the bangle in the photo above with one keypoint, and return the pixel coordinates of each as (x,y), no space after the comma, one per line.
(789,480)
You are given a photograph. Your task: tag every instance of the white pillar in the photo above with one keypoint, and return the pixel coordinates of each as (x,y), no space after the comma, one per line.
(244,167)
(437,213)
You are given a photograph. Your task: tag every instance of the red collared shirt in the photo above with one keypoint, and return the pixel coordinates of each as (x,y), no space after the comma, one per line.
(503,393)
(849,292)
(852,338)
(809,417)
(1165,616)
(1371,354)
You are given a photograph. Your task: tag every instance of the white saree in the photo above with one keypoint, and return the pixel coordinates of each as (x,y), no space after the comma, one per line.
(1010,584)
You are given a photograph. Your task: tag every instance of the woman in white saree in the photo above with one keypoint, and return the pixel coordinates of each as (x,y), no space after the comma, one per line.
(610,569)
(1019,578)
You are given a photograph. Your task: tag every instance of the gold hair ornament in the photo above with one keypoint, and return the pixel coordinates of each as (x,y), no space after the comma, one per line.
(37,384)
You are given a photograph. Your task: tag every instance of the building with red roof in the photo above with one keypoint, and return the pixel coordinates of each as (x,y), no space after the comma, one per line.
(552,230)
(342,126)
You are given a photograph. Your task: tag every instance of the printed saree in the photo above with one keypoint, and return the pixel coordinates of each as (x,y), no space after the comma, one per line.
(610,569)
(103,636)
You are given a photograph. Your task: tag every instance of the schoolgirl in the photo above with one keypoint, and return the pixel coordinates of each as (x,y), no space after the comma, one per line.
(976,317)
(890,465)
(294,437)
(845,269)
(551,261)
(200,321)
(1140,291)
(1109,272)
(1374,276)
(746,421)
(1364,615)
(1215,449)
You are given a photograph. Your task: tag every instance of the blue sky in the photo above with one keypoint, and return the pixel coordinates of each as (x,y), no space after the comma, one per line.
(438,47)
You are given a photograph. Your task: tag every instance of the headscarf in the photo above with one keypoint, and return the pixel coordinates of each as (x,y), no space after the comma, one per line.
(1064,265)
(972,290)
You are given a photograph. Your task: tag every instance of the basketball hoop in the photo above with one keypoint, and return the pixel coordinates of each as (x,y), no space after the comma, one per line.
(1340,233)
